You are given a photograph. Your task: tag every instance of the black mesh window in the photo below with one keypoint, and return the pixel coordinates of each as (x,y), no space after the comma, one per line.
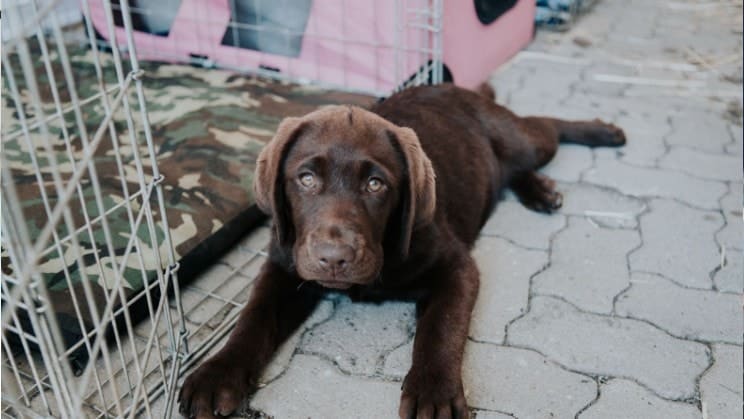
(490,10)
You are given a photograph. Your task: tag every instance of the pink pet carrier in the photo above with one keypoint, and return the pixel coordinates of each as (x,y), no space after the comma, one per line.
(360,45)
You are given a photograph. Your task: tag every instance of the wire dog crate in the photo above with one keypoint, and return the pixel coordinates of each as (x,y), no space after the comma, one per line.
(91,246)
(85,232)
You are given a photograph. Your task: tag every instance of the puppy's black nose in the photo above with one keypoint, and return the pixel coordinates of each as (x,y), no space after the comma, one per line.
(334,258)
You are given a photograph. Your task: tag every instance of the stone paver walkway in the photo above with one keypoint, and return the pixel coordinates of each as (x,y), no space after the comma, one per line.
(627,303)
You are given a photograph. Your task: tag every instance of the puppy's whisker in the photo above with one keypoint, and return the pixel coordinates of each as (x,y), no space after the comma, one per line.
(300,286)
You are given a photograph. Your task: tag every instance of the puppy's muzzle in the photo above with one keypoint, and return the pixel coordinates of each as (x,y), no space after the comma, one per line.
(334,258)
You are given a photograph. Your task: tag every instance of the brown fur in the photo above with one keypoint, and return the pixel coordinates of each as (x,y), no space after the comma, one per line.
(384,204)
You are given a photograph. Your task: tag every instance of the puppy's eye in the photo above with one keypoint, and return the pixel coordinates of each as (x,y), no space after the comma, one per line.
(307,180)
(375,185)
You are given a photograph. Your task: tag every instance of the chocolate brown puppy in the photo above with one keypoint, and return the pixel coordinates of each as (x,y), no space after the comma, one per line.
(386,203)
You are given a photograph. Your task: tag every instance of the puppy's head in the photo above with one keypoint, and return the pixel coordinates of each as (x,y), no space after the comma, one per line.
(344,187)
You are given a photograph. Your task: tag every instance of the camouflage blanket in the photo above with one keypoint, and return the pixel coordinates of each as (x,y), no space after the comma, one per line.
(208,127)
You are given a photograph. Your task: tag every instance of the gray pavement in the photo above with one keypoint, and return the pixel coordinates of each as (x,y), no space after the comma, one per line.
(627,303)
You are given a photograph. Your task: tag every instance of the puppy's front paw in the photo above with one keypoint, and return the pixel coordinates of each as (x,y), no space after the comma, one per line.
(216,388)
(537,192)
(429,396)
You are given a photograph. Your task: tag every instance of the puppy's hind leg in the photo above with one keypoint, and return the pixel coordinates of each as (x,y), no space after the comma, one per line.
(537,191)
(594,133)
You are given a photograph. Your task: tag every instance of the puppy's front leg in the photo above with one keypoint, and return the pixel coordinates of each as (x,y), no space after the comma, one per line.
(275,309)
(433,386)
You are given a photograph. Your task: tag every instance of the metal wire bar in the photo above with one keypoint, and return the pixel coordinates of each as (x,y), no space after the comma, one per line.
(60,209)
(53,87)
(30,27)
(116,313)
(11,359)
(173,276)
(35,252)
(27,350)
(108,310)
(94,182)
(50,118)
(126,16)
(139,168)
(31,313)
(94,221)
(60,390)
(155,172)
(138,390)
(72,349)
(99,199)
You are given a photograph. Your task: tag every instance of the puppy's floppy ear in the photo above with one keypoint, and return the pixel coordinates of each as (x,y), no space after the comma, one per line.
(419,192)
(268,182)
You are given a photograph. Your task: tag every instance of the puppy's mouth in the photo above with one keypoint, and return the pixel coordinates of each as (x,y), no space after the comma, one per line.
(337,285)
(337,282)
(362,272)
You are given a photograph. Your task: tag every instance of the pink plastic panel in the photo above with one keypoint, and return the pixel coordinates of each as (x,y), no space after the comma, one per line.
(473,50)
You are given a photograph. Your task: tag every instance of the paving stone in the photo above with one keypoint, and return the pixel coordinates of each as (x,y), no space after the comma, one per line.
(647,182)
(705,38)
(511,220)
(644,115)
(678,243)
(588,265)
(591,85)
(605,207)
(595,25)
(736,147)
(703,165)
(602,345)
(484,414)
(549,83)
(250,271)
(522,383)
(645,138)
(199,338)
(358,335)
(667,93)
(686,313)
(699,130)
(732,236)
(566,110)
(569,162)
(527,106)
(239,256)
(623,398)
(669,97)
(504,286)
(605,106)
(639,24)
(284,354)
(506,82)
(398,362)
(222,281)
(730,278)
(257,240)
(721,386)
(314,388)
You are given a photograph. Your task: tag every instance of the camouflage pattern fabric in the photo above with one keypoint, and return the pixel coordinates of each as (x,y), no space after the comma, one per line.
(208,127)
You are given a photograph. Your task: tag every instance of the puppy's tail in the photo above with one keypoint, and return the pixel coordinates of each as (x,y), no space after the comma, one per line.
(486,90)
